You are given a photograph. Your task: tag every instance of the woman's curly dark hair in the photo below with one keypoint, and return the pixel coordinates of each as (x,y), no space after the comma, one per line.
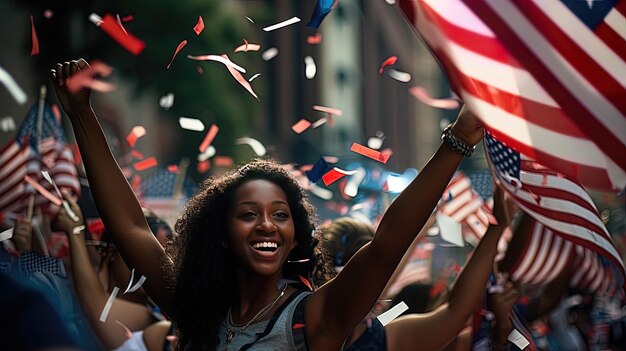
(204,270)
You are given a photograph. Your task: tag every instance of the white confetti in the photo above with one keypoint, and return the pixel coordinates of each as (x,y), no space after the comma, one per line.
(249,19)
(6,235)
(256,145)
(392,313)
(518,339)
(207,154)
(310,68)
(7,124)
(134,288)
(217,58)
(282,24)
(191,124)
(107,306)
(269,54)
(319,122)
(391,2)
(320,192)
(374,143)
(95,19)
(254,77)
(398,75)
(166,101)
(18,94)
(352,186)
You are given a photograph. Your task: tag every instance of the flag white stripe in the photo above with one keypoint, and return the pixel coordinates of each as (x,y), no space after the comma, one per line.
(585,38)
(462,16)
(540,258)
(616,21)
(559,183)
(529,255)
(602,109)
(563,259)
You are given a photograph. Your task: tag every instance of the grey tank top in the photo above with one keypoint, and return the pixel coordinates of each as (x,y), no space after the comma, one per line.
(279,338)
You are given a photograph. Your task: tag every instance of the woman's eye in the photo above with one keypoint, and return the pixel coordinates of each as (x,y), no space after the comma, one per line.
(248,214)
(282,215)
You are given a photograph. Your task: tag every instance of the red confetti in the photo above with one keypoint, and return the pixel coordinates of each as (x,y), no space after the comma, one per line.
(314,39)
(173,169)
(136,154)
(136,133)
(388,62)
(178,48)
(48,13)
(199,27)
(135,183)
(437,288)
(33,33)
(145,164)
(298,326)
(334,175)
(240,78)
(367,152)
(301,126)
(223,161)
(208,139)
(204,166)
(422,95)
(56,112)
(43,191)
(306,282)
(199,70)
(77,157)
(247,47)
(329,110)
(134,45)
(127,18)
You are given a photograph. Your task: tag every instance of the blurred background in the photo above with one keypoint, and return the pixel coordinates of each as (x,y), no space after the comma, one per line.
(347,51)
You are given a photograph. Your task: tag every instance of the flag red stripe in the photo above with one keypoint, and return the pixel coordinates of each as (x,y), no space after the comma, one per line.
(577,57)
(600,134)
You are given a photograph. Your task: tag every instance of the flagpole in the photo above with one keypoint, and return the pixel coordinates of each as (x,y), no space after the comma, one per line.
(180,179)
(42,98)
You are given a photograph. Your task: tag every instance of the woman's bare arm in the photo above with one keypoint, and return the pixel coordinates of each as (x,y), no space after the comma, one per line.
(338,306)
(115,200)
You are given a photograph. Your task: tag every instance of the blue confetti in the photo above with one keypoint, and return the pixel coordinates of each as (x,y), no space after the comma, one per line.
(322,8)
(317,171)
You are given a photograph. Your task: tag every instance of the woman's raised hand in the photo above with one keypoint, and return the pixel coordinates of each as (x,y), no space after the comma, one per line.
(63,222)
(467,127)
(73,95)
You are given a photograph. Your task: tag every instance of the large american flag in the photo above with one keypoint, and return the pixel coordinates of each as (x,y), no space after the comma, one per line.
(553,200)
(30,153)
(546,77)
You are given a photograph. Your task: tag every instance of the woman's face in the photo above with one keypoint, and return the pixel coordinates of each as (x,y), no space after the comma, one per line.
(261,229)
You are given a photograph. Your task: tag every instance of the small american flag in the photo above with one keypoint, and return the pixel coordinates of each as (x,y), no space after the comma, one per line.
(553,200)
(461,203)
(30,153)
(546,77)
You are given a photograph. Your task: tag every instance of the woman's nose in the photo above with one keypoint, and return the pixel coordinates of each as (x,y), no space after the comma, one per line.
(267,225)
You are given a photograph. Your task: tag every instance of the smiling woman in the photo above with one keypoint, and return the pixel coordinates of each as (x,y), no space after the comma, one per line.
(243,235)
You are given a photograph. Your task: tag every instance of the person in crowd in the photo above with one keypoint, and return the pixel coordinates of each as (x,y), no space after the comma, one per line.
(438,328)
(124,316)
(247,231)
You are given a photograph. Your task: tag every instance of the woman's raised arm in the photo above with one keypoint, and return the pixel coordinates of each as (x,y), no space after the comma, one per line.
(338,306)
(115,200)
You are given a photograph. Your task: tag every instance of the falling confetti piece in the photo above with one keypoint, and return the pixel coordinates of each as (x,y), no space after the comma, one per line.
(119,22)
(310,69)
(208,138)
(223,161)
(320,192)
(298,326)
(95,19)
(6,235)
(335,174)
(56,112)
(136,133)
(208,153)
(222,59)
(392,313)
(301,126)
(388,62)
(374,143)
(180,46)
(87,79)
(35,41)
(107,306)
(399,76)
(199,27)
(199,70)
(306,282)
(204,166)
(191,124)
(166,101)
(332,111)
(137,285)
(48,14)
(239,78)
(256,145)
(269,54)
(254,77)
(390,2)
(173,169)
(136,154)
(7,124)
(282,24)
(145,164)
(319,168)
(127,18)
(18,94)
(314,39)
(300,261)
(43,191)
(352,186)
(128,41)
(247,47)
(422,95)
(319,122)
(249,19)
(367,152)
(322,9)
